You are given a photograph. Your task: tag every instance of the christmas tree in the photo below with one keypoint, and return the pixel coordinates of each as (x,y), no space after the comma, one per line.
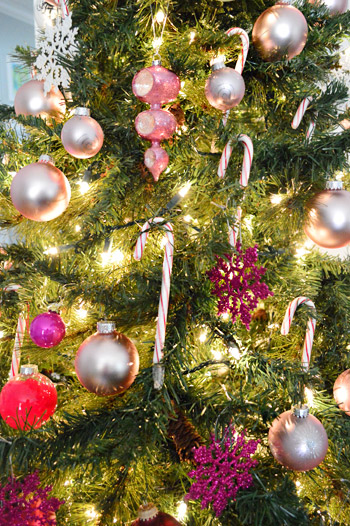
(229,255)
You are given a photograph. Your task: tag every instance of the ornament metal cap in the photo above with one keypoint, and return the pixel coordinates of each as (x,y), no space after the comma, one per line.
(46,159)
(82,112)
(156,62)
(334,185)
(218,65)
(301,411)
(29,369)
(105,327)
(147,511)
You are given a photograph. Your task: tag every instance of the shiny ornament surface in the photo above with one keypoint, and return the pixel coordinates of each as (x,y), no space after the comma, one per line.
(82,136)
(280,32)
(336,7)
(45,12)
(156,160)
(30,99)
(298,443)
(155,125)
(150,516)
(224,88)
(341,391)
(328,220)
(107,363)
(40,191)
(156,85)
(47,329)
(28,400)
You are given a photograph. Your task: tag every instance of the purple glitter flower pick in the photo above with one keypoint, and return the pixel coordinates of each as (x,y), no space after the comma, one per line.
(237,283)
(222,470)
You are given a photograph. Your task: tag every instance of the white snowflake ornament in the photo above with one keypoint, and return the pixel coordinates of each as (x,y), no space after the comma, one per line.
(57,40)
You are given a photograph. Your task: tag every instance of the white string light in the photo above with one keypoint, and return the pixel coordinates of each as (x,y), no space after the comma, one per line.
(160,16)
(203,336)
(192,36)
(185,189)
(181,511)
(309,395)
(84,187)
(276,199)
(77,228)
(52,251)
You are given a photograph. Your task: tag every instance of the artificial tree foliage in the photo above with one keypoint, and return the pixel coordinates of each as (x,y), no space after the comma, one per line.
(105,456)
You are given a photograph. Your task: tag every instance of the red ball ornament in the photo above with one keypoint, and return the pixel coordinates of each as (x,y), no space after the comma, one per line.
(341,391)
(81,135)
(28,400)
(156,86)
(298,440)
(47,329)
(150,516)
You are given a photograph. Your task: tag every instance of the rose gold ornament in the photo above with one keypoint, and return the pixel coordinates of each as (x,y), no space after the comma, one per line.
(81,135)
(280,33)
(156,86)
(341,391)
(30,99)
(40,191)
(336,7)
(328,220)
(298,440)
(107,362)
(224,88)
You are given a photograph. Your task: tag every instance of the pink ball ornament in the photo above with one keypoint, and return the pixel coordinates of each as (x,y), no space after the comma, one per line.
(341,391)
(336,7)
(81,135)
(28,400)
(155,125)
(47,329)
(30,99)
(156,160)
(156,85)
(298,440)
(40,191)
(224,88)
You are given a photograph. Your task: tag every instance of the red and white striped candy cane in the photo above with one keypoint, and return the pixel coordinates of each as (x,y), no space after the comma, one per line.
(247,159)
(16,353)
(64,7)
(310,331)
(301,112)
(165,290)
(233,232)
(244,46)
(311,128)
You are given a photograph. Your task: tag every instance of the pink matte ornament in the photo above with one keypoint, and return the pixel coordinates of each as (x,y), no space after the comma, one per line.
(156,86)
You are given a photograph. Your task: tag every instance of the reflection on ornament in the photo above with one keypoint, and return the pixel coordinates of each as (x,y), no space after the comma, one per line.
(30,99)
(341,391)
(47,329)
(224,88)
(150,516)
(298,440)
(81,135)
(107,362)
(336,7)
(280,33)
(156,86)
(328,220)
(28,400)
(40,191)
(45,13)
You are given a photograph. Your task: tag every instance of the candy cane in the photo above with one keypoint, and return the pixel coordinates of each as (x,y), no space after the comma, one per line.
(310,331)
(301,112)
(244,46)
(311,128)
(16,353)
(233,232)
(64,7)
(247,159)
(165,290)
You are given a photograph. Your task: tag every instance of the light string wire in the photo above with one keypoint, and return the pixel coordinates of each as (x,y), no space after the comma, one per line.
(154,21)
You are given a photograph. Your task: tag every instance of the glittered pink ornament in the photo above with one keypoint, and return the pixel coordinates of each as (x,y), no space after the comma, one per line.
(156,86)
(81,135)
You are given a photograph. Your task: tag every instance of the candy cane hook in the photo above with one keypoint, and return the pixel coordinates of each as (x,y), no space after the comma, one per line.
(298,117)
(165,290)
(247,159)
(310,331)
(233,232)
(244,46)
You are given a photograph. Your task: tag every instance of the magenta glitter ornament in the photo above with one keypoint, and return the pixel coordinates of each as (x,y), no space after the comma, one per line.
(298,440)
(40,191)
(47,329)
(155,85)
(30,99)
(81,135)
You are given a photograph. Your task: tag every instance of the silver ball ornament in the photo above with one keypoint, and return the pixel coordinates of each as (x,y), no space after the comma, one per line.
(298,440)
(40,191)
(328,219)
(224,88)
(341,391)
(336,7)
(107,362)
(30,99)
(81,135)
(280,33)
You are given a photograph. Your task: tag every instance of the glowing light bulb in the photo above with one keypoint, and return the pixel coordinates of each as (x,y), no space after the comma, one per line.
(160,16)
(105,257)
(184,190)
(309,395)
(234,352)
(298,483)
(52,251)
(192,36)
(300,252)
(77,228)
(82,312)
(276,199)
(68,482)
(225,316)
(181,511)
(2,334)
(217,355)
(188,218)
(218,60)
(91,513)
(157,42)
(84,187)
(117,256)
(203,336)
